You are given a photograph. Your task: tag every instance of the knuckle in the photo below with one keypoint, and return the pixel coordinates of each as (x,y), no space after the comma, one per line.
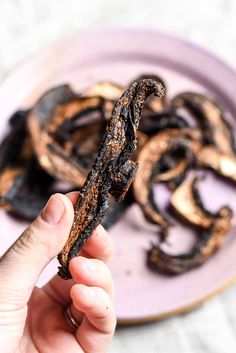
(103,311)
(108,321)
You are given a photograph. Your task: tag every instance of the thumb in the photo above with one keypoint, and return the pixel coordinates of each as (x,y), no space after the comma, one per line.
(22,264)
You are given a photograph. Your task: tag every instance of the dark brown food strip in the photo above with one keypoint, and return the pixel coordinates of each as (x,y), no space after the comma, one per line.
(152,152)
(105,89)
(24,185)
(173,166)
(116,210)
(211,240)
(216,130)
(109,91)
(186,203)
(16,147)
(112,172)
(15,195)
(221,163)
(47,123)
(155,123)
(16,155)
(154,104)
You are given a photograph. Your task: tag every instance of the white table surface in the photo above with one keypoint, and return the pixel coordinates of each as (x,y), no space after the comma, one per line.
(28,25)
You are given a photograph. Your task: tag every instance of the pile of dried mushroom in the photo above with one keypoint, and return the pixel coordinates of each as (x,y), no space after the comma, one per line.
(86,141)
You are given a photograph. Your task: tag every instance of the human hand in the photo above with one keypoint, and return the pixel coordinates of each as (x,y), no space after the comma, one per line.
(33,319)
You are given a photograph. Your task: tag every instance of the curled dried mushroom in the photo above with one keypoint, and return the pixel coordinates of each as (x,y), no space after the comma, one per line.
(216,130)
(62,143)
(112,172)
(186,202)
(54,108)
(151,155)
(210,241)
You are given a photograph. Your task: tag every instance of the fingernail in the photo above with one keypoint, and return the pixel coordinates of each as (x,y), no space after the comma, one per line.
(73,196)
(89,265)
(54,210)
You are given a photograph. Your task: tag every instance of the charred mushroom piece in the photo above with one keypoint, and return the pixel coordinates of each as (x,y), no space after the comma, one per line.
(116,210)
(211,240)
(15,198)
(174,174)
(155,104)
(10,178)
(153,152)
(141,140)
(24,189)
(16,154)
(105,89)
(221,163)
(186,203)
(24,185)
(16,149)
(53,109)
(112,165)
(216,130)
(155,123)
(82,143)
(109,91)
(173,166)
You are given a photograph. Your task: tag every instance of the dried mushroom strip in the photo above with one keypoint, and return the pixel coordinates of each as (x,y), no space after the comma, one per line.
(141,140)
(10,178)
(16,154)
(112,172)
(83,142)
(56,106)
(105,89)
(116,210)
(186,202)
(155,123)
(221,163)
(24,189)
(216,130)
(173,166)
(155,104)
(24,185)
(109,91)
(15,195)
(170,169)
(210,241)
(16,148)
(154,151)
(209,157)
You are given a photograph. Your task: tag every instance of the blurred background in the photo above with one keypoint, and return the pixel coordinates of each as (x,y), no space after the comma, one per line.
(26,26)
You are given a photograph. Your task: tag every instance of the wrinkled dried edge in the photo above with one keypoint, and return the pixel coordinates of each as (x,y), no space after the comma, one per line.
(118,145)
(210,242)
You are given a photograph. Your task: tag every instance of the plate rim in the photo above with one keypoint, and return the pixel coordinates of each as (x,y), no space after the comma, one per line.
(135,31)
(180,310)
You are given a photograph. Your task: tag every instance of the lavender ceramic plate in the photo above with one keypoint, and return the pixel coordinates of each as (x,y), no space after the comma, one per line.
(141,295)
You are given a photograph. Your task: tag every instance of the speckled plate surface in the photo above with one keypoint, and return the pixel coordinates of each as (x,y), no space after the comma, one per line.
(120,55)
